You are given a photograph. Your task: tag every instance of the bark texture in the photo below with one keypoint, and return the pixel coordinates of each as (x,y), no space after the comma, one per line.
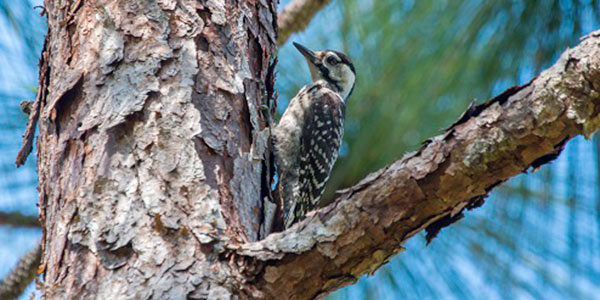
(149,129)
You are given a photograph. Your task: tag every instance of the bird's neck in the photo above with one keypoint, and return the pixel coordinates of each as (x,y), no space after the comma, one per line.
(342,87)
(343,90)
(346,89)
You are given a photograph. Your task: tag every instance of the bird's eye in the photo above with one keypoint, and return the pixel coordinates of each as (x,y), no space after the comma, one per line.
(332,60)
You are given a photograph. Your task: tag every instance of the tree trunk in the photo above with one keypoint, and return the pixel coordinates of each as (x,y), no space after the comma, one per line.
(153,158)
(151,145)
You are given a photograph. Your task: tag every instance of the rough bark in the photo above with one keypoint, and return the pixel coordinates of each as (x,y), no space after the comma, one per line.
(151,145)
(517,131)
(295,16)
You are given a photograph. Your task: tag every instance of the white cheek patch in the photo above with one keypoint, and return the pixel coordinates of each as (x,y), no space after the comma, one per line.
(347,81)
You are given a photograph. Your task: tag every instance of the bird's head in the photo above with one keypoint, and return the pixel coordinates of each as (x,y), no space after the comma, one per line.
(332,66)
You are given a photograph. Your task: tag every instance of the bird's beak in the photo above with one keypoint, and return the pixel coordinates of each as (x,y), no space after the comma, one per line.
(308,54)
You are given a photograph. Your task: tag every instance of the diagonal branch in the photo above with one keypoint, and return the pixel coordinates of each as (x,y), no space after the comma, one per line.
(296,16)
(519,130)
(22,275)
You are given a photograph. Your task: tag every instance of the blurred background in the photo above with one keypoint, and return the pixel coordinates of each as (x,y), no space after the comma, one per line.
(419,64)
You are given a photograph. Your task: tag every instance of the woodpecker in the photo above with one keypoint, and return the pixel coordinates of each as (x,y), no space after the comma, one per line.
(308,136)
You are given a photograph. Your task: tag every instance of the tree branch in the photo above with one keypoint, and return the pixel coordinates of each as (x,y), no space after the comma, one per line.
(22,275)
(523,128)
(296,16)
(18,219)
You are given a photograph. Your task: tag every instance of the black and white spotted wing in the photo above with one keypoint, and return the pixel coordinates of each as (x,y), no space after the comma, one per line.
(319,145)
